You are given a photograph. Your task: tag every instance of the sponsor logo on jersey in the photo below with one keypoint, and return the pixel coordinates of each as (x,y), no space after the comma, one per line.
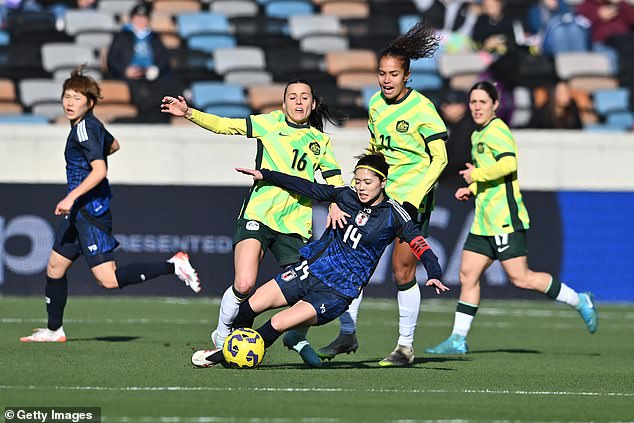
(289,275)
(402,126)
(92,248)
(252,225)
(480,148)
(322,309)
(361,219)
(315,148)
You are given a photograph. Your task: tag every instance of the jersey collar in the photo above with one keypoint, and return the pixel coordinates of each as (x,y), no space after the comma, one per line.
(409,91)
(297,126)
(488,123)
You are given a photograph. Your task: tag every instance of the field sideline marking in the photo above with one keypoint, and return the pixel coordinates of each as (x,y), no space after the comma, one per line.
(345,390)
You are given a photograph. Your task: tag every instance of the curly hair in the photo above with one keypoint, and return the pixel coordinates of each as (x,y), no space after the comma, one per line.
(419,42)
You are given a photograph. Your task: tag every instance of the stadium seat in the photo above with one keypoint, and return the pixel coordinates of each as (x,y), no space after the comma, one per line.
(205,94)
(356,80)
(112,112)
(34,91)
(338,62)
(569,65)
(4,38)
(248,77)
(346,9)
(265,97)
(608,101)
(174,7)
(303,25)
(252,26)
(115,92)
(56,56)
(367,92)
(406,22)
(209,42)
(425,65)
(623,120)
(424,81)
(23,119)
(51,109)
(292,63)
(234,8)
(450,65)
(229,110)
(202,23)
(118,7)
(7,91)
(323,43)
(87,20)
(285,8)
(238,58)
(10,108)
(523,107)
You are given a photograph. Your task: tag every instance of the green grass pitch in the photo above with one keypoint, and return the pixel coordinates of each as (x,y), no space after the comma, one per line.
(531,361)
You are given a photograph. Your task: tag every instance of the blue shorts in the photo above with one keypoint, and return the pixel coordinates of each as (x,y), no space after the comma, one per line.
(297,283)
(84,234)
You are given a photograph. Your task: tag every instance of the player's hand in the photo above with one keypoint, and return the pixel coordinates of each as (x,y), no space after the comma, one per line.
(466,173)
(257,175)
(175,105)
(462,194)
(437,285)
(336,216)
(64,206)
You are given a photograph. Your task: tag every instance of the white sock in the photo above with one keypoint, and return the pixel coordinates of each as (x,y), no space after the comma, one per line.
(349,318)
(408,307)
(462,323)
(568,295)
(229,307)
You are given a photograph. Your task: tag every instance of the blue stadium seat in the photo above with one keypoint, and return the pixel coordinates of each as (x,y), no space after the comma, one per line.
(406,22)
(423,81)
(607,101)
(23,119)
(202,23)
(229,110)
(286,8)
(621,120)
(367,93)
(4,38)
(209,42)
(208,93)
(424,65)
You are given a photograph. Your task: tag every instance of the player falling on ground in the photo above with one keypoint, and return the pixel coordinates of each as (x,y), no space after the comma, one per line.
(335,268)
(87,226)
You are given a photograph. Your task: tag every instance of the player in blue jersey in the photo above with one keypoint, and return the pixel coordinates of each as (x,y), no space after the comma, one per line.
(87,226)
(335,268)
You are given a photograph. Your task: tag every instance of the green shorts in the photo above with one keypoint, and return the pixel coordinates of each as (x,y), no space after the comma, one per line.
(285,247)
(498,247)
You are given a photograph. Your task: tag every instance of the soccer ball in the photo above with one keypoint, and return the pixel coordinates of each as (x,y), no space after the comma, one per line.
(244,348)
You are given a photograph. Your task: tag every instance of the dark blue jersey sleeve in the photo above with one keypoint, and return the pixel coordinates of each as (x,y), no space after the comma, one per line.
(92,142)
(319,192)
(407,232)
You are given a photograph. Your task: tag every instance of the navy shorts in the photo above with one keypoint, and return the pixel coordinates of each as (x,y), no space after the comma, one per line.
(297,283)
(84,234)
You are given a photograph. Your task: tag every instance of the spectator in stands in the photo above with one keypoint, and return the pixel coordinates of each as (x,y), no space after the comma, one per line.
(86,229)
(612,22)
(453,109)
(500,224)
(541,12)
(406,127)
(452,15)
(138,56)
(560,110)
(494,31)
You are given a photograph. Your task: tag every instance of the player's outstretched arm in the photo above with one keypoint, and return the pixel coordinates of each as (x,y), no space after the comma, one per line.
(176,106)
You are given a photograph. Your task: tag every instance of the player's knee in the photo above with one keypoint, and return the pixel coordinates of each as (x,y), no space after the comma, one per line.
(54,270)
(244,286)
(109,282)
(522,282)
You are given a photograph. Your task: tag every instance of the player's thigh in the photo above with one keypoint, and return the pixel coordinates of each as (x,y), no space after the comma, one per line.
(285,248)
(300,314)
(472,265)
(267,296)
(402,256)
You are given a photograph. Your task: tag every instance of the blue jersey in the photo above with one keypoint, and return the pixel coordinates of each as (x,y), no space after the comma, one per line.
(344,259)
(88,141)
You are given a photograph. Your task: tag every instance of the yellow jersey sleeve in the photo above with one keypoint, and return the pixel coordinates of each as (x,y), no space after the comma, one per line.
(217,124)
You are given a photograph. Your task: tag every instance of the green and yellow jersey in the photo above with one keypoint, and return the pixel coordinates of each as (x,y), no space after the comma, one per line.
(411,135)
(499,205)
(297,150)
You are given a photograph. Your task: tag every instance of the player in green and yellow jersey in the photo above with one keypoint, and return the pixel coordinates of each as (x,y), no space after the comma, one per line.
(499,225)
(405,126)
(291,141)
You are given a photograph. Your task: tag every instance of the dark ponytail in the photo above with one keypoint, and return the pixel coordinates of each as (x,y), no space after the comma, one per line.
(374,161)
